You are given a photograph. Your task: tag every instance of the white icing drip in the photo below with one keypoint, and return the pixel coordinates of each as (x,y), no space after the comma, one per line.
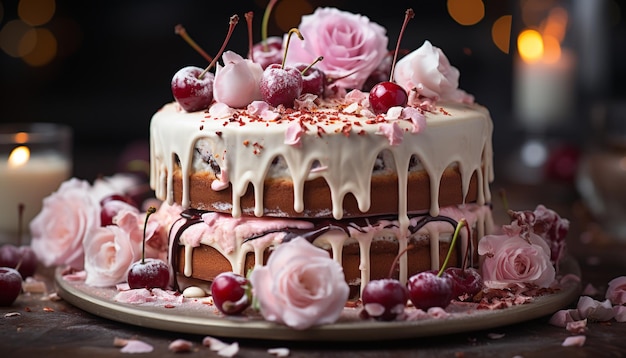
(478,217)
(461,135)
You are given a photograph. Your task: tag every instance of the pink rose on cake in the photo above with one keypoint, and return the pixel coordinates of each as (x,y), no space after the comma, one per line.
(352,45)
(426,73)
(301,286)
(510,259)
(66,218)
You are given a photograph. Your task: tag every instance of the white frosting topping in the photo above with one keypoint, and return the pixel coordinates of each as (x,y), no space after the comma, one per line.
(338,140)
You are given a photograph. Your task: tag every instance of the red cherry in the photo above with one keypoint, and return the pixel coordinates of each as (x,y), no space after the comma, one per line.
(427,289)
(465,281)
(231,293)
(281,85)
(10,285)
(12,256)
(149,273)
(313,80)
(562,163)
(389,94)
(384,299)
(190,91)
(268,53)
(385,95)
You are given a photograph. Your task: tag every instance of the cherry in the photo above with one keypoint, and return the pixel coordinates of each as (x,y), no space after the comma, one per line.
(562,163)
(435,288)
(148,273)
(389,94)
(281,84)
(384,299)
(231,293)
(10,285)
(385,95)
(465,281)
(270,49)
(111,205)
(192,86)
(192,92)
(313,79)
(430,289)
(21,258)
(268,53)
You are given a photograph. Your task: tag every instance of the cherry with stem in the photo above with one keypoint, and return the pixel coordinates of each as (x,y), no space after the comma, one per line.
(385,95)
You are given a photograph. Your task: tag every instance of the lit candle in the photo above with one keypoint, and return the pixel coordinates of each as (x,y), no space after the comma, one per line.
(544,75)
(27,176)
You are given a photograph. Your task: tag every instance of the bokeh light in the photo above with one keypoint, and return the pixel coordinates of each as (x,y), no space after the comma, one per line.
(466,12)
(36,12)
(25,37)
(287,14)
(530,45)
(11,36)
(501,33)
(45,48)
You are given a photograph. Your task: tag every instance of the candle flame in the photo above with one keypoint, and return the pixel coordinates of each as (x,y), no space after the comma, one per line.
(545,43)
(19,156)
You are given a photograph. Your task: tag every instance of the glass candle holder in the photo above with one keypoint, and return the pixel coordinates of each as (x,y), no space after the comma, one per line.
(35,158)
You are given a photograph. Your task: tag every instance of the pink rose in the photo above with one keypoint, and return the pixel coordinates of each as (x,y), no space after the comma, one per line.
(68,216)
(351,45)
(301,286)
(616,293)
(237,82)
(510,259)
(428,72)
(109,252)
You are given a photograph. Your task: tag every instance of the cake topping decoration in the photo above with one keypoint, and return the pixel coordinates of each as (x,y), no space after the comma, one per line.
(351,44)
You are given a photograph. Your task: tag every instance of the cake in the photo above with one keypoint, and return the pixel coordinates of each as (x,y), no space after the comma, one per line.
(366,185)
(355,193)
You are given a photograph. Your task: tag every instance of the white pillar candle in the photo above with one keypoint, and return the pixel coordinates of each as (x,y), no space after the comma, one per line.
(544,91)
(28,183)
(35,158)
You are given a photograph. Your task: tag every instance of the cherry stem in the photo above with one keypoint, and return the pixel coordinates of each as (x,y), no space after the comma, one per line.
(180,30)
(151,210)
(231,26)
(469,245)
(249,15)
(395,260)
(458,228)
(266,20)
(312,64)
(407,16)
(20,223)
(505,201)
(292,31)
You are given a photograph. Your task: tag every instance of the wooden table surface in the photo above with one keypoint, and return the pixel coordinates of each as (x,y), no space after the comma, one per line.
(57,329)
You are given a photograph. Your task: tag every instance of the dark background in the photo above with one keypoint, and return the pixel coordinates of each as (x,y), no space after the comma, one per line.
(116,58)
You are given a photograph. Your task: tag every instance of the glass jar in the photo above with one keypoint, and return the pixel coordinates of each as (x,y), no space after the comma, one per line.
(601,177)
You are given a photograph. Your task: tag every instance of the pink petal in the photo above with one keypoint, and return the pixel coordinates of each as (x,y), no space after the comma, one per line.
(574,341)
(136,346)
